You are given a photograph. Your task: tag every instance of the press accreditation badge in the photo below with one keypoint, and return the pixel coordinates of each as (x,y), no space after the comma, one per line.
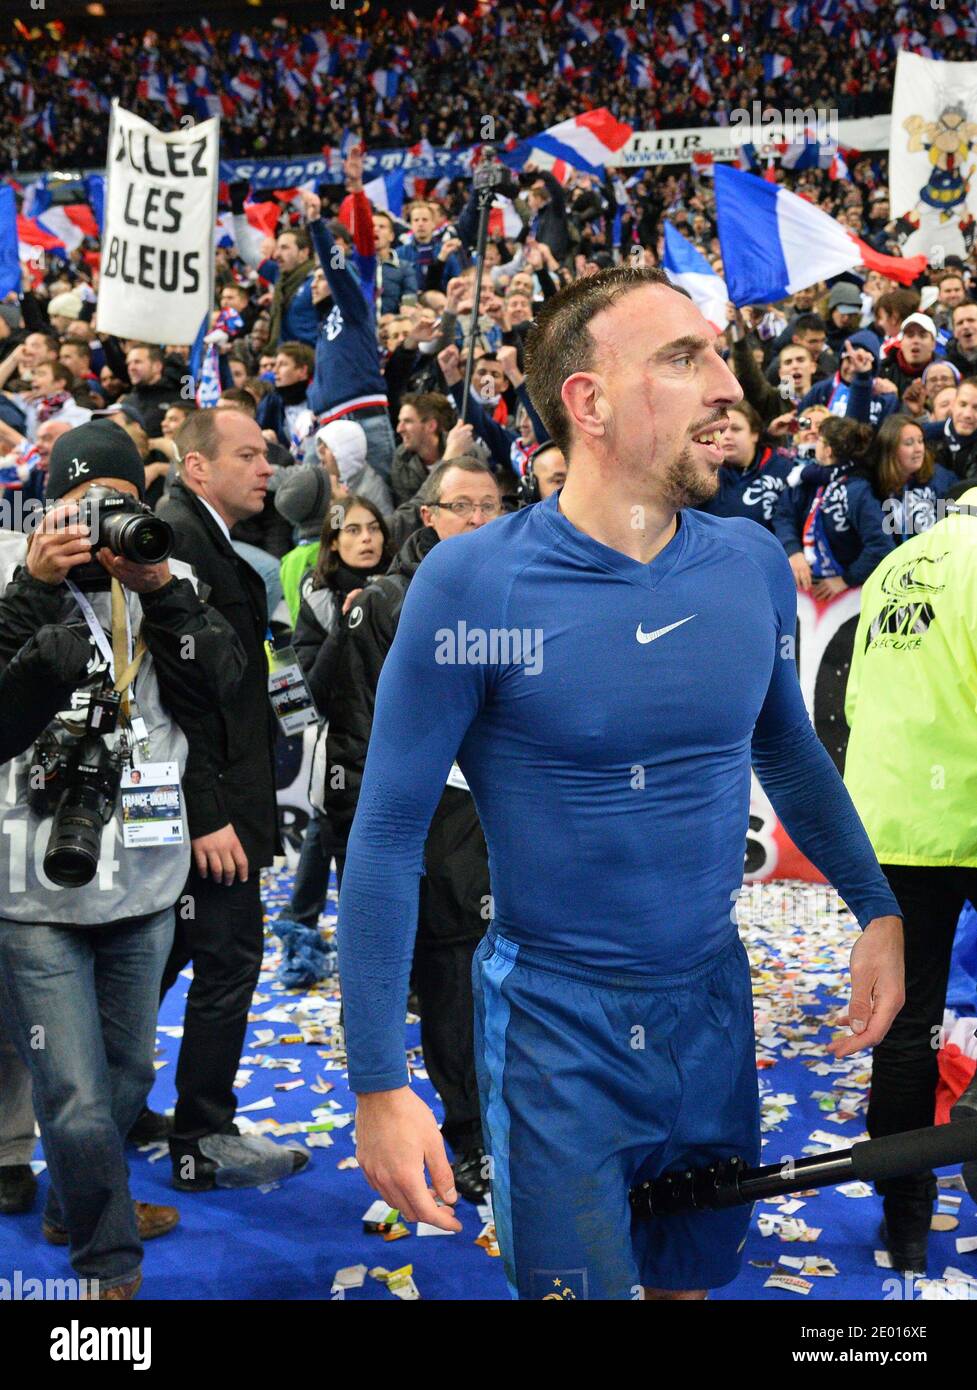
(152,809)
(291,698)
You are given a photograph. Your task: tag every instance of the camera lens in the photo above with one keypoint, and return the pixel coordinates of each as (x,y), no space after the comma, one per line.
(146,540)
(72,854)
(93,777)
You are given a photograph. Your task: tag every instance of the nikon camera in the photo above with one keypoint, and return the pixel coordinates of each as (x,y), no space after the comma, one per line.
(79,785)
(125,525)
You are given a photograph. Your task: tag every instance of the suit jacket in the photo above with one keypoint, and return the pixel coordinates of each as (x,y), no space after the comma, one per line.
(230,774)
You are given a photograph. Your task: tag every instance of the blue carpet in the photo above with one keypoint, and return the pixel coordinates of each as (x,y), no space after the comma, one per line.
(290,1241)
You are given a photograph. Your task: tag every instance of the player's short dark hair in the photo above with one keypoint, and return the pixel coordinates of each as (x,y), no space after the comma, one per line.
(559,342)
(810,323)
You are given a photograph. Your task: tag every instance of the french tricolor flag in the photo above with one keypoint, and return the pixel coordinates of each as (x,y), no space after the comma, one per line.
(504,221)
(585,142)
(293,85)
(385,83)
(701,89)
(774,66)
(387,192)
(458,35)
(687,267)
(46,126)
(241,45)
(58,229)
(774,243)
(640,72)
(246,87)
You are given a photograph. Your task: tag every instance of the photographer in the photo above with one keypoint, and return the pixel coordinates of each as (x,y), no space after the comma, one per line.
(124,653)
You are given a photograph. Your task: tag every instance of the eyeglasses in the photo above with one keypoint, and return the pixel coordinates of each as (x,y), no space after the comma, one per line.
(355,528)
(463,510)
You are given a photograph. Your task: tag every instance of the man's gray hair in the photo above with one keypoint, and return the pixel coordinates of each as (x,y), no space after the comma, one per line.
(430,489)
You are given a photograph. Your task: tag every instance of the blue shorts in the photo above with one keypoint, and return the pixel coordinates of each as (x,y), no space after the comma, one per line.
(592,1082)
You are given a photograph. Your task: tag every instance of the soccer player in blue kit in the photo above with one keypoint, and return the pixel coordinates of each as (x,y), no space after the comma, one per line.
(604,666)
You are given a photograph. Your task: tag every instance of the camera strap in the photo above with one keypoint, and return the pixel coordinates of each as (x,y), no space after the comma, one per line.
(123,662)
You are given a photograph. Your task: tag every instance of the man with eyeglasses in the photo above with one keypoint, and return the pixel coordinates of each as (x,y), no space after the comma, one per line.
(460,495)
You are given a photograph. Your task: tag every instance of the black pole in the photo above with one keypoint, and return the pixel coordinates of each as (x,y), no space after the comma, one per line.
(487,178)
(729,1183)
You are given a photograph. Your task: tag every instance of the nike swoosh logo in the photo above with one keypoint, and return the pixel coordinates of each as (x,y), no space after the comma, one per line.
(660,632)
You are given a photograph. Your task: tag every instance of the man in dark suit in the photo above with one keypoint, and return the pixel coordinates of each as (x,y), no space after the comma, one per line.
(232,814)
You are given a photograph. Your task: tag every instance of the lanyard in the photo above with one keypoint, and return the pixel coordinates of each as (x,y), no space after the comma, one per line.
(114,653)
(96,629)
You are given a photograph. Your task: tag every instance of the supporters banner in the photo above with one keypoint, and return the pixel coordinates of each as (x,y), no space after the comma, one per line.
(157,271)
(932,151)
(291,171)
(648,148)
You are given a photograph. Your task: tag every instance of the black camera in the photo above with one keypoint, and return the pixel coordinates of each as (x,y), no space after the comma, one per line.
(77,781)
(125,525)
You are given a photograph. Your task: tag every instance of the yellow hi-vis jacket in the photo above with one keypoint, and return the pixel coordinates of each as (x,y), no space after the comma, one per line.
(911,701)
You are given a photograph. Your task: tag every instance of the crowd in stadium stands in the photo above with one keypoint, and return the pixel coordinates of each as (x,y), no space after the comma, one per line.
(860,396)
(275,85)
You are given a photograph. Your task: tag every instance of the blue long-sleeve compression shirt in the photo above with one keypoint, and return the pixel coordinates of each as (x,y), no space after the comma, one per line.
(605,713)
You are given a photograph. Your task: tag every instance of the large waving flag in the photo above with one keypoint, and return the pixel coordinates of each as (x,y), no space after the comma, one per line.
(687,267)
(775,242)
(387,192)
(9,259)
(586,142)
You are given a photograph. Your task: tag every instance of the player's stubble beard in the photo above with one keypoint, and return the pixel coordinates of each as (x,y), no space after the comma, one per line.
(688,485)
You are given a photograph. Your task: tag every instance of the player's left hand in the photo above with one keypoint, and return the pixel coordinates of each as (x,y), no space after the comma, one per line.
(141,579)
(878,988)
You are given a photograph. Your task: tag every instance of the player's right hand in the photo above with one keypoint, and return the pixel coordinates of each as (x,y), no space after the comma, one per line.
(396,1136)
(56,547)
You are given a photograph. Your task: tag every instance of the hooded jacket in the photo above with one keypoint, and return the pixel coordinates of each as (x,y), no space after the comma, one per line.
(853,520)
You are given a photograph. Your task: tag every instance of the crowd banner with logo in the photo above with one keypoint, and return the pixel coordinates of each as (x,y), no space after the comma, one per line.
(291,171)
(765,128)
(157,270)
(932,153)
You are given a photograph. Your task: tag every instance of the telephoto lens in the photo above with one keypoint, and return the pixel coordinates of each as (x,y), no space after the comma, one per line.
(128,527)
(145,539)
(86,806)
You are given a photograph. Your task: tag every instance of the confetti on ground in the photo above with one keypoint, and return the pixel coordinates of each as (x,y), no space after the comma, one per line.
(798,939)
